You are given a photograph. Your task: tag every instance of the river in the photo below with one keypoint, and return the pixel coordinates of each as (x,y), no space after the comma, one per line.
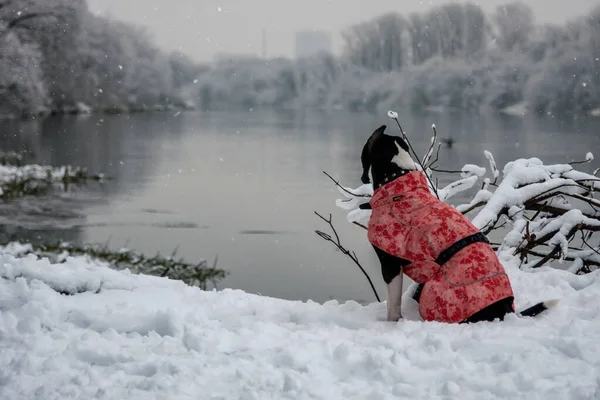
(244,186)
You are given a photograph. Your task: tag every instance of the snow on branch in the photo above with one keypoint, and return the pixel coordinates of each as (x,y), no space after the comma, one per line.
(549,213)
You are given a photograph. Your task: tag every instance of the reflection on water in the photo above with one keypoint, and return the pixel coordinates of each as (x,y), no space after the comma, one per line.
(244,186)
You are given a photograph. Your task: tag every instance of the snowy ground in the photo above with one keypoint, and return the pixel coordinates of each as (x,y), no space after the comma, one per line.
(122,336)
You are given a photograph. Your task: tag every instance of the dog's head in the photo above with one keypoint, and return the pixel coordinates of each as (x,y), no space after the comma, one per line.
(384,154)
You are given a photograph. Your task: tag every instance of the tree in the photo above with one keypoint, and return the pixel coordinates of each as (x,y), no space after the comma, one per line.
(18,15)
(184,69)
(27,32)
(22,86)
(450,31)
(514,23)
(55,32)
(477,27)
(378,44)
(423,39)
(77,57)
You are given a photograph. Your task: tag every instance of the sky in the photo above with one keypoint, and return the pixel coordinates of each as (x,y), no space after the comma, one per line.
(205,28)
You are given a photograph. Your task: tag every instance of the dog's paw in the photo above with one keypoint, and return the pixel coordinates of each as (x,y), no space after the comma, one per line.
(394,317)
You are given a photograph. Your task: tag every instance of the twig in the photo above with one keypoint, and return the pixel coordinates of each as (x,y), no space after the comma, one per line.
(437,157)
(555,210)
(338,244)
(361,225)
(597,251)
(474,206)
(581,162)
(430,150)
(446,171)
(417,158)
(554,257)
(337,183)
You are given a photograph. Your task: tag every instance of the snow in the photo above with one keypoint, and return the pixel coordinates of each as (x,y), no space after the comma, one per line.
(589,157)
(38,172)
(139,337)
(471,169)
(33,176)
(518,109)
(492,162)
(456,187)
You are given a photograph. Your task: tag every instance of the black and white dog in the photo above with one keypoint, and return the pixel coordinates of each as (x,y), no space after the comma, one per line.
(388,160)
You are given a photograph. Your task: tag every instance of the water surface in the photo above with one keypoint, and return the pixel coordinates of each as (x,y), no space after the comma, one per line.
(244,186)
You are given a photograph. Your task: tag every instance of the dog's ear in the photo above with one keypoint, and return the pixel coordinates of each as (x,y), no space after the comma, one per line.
(365,156)
(378,132)
(365,159)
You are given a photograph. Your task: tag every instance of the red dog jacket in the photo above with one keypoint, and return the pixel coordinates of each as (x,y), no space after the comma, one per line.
(408,222)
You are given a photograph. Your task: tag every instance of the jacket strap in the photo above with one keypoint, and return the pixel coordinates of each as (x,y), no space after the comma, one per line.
(450,252)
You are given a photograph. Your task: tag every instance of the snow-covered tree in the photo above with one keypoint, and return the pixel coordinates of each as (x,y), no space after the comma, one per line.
(54,30)
(379,44)
(22,87)
(79,57)
(514,23)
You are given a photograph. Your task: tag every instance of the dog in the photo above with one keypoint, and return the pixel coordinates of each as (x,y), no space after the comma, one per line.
(460,278)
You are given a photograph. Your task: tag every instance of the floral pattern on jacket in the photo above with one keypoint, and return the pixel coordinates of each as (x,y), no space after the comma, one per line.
(409,222)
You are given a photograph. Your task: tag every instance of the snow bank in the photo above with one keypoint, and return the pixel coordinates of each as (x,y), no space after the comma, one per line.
(125,336)
(29,178)
(37,172)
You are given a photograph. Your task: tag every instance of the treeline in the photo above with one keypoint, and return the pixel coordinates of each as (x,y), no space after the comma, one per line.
(56,56)
(452,56)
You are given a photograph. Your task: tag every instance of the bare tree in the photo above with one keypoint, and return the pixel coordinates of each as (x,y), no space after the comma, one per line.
(514,23)
(378,44)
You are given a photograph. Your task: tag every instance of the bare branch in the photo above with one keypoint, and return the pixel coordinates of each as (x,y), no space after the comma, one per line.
(580,162)
(554,257)
(597,251)
(337,183)
(25,17)
(22,18)
(433,187)
(437,157)
(446,171)
(555,210)
(474,206)
(350,254)
(430,150)
(361,225)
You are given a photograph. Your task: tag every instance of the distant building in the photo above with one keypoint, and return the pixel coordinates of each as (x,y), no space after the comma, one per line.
(312,42)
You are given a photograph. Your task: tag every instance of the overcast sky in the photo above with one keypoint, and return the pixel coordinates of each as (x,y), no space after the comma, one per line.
(203,28)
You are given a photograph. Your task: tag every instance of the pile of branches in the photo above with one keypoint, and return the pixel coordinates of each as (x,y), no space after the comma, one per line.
(545,214)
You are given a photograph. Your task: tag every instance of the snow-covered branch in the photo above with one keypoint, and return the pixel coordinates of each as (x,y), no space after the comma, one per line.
(544,208)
